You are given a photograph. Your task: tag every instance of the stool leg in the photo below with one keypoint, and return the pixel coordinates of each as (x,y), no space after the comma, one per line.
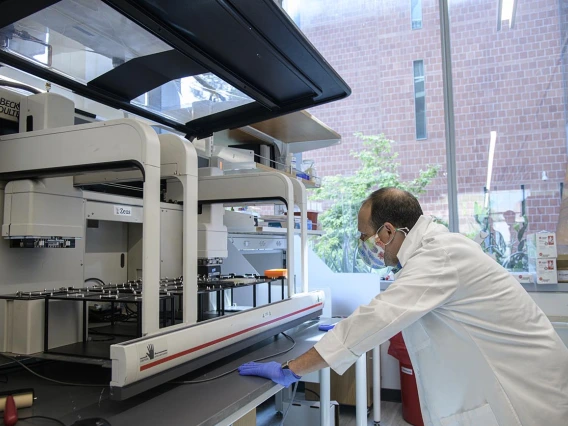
(361,391)
(377,385)
(325,396)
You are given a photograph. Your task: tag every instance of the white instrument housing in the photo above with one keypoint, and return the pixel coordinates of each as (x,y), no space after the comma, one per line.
(160,353)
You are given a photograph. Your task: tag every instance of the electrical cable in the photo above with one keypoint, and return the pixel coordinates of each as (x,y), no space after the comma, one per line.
(193,382)
(20,86)
(59,382)
(130,310)
(314,392)
(43,418)
(108,339)
(295,388)
(12,362)
(95,279)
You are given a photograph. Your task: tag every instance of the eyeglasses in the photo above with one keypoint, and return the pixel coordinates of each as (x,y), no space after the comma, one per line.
(364,237)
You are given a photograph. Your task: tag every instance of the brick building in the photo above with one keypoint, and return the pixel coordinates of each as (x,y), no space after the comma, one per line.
(509,81)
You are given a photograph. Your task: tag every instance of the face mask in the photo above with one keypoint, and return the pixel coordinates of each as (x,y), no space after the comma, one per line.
(372,250)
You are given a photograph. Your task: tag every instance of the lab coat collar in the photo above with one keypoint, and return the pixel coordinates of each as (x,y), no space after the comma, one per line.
(413,240)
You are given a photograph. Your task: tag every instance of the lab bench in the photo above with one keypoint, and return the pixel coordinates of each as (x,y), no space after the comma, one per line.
(218,402)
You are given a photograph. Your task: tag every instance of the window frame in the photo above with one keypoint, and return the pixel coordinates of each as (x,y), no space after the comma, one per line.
(419,4)
(425,137)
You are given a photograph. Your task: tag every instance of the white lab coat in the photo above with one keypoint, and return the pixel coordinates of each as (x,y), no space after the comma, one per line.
(483,352)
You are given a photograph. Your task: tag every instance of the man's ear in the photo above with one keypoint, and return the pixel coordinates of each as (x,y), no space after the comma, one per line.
(390,228)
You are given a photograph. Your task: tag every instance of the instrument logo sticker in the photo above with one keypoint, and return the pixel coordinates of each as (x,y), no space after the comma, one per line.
(122,211)
(9,109)
(152,350)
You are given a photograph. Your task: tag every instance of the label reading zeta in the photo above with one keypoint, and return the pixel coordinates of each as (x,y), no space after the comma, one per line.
(122,211)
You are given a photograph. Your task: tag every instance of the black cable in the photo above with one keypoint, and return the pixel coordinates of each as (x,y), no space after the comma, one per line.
(59,382)
(43,418)
(5,365)
(193,382)
(20,86)
(108,339)
(95,279)
(314,392)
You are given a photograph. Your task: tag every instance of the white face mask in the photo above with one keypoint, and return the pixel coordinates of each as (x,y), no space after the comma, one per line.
(372,250)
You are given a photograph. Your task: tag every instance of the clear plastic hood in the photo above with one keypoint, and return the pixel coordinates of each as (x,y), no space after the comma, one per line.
(197,67)
(84,39)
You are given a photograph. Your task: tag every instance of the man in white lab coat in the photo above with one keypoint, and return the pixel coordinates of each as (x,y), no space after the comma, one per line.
(483,352)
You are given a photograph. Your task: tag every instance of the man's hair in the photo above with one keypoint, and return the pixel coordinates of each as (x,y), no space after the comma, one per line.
(393,205)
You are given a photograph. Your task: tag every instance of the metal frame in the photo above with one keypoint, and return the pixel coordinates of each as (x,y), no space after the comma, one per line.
(254,187)
(449,117)
(414,93)
(178,160)
(98,146)
(301,200)
(85,333)
(220,296)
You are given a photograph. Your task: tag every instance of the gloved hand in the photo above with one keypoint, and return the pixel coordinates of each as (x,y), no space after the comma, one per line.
(269,370)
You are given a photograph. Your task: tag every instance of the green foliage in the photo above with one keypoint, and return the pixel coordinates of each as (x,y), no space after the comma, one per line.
(518,260)
(379,168)
(512,256)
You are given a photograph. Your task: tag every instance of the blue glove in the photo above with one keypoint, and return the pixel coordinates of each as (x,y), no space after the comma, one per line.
(326,327)
(269,370)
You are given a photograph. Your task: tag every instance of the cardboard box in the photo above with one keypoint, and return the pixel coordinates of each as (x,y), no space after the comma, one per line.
(562,262)
(343,387)
(545,270)
(248,419)
(523,277)
(307,413)
(542,245)
(562,276)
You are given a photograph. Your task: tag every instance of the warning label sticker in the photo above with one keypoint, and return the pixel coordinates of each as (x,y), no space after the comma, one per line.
(152,350)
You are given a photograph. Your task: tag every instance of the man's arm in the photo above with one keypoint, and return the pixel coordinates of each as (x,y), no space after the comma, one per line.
(426,285)
(307,363)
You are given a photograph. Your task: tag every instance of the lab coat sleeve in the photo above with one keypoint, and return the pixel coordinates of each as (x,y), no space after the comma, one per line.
(427,281)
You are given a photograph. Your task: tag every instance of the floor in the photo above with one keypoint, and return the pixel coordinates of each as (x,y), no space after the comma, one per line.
(390,415)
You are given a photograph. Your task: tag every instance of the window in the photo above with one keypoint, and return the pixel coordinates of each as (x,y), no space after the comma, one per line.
(506,11)
(376,123)
(510,101)
(416,14)
(510,127)
(293,9)
(419,100)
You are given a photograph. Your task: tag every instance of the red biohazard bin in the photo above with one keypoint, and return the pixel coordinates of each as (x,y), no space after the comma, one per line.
(410,401)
